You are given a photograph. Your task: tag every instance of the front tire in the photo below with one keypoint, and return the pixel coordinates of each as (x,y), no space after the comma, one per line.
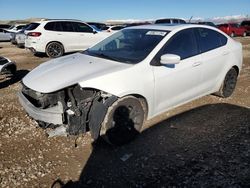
(54,50)
(123,121)
(229,83)
(244,34)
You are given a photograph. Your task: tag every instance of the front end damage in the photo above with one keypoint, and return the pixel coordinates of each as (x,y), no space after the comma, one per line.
(77,109)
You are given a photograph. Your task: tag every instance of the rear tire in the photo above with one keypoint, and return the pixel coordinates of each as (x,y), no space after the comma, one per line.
(54,49)
(123,121)
(244,34)
(228,85)
(232,35)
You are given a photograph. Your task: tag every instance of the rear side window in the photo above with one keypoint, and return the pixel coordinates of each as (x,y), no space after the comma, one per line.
(59,26)
(234,25)
(53,26)
(163,21)
(223,25)
(67,27)
(81,27)
(210,39)
(183,44)
(32,26)
(245,23)
(117,28)
(20,27)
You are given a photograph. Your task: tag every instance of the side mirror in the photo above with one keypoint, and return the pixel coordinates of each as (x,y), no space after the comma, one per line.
(170,59)
(94,31)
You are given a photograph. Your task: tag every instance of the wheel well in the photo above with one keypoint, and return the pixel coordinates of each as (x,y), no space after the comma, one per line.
(11,68)
(236,68)
(143,102)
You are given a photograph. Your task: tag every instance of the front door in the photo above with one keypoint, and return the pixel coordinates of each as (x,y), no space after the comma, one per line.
(175,85)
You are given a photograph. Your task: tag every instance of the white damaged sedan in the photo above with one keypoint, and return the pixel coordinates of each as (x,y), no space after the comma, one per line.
(134,75)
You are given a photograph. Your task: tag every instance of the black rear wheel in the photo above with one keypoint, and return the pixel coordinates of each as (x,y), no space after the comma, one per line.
(229,84)
(54,49)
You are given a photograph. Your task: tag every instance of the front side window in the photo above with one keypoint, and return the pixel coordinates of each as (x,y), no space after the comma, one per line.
(210,39)
(81,27)
(182,22)
(182,44)
(175,21)
(128,45)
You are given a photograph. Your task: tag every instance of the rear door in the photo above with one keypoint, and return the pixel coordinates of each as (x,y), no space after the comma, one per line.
(86,35)
(214,54)
(69,36)
(60,31)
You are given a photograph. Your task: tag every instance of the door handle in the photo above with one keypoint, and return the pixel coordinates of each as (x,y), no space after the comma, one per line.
(196,64)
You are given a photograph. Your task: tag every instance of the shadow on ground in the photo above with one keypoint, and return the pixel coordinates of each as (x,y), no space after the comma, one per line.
(205,147)
(14,79)
(42,55)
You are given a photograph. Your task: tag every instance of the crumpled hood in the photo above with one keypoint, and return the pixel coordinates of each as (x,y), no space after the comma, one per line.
(62,72)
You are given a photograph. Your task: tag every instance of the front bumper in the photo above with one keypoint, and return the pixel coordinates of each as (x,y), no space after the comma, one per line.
(52,115)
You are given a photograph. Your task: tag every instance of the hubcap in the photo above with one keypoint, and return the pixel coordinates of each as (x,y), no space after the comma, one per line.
(54,50)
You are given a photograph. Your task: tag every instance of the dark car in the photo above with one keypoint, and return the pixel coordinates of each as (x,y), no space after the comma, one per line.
(98,25)
(233,29)
(207,23)
(21,29)
(170,21)
(246,25)
(4,26)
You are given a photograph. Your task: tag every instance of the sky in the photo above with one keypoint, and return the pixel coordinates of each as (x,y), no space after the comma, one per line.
(102,10)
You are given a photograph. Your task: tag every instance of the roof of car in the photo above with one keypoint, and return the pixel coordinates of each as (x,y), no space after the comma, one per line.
(52,20)
(170,27)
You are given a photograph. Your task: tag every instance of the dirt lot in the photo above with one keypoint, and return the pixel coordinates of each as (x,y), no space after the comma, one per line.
(205,143)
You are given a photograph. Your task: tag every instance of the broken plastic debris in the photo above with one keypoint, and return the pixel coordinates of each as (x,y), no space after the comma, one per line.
(59,131)
(126,157)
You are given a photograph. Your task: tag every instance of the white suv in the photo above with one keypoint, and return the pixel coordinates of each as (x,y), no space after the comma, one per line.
(56,37)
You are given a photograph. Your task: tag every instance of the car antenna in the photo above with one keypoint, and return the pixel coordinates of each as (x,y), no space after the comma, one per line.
(190,19)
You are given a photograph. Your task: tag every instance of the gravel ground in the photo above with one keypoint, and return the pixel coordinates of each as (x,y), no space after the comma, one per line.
(205,143)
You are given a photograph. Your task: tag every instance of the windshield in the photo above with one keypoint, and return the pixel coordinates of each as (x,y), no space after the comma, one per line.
(128,45)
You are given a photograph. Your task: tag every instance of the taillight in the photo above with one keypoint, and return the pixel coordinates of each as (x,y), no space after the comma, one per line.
(34,34)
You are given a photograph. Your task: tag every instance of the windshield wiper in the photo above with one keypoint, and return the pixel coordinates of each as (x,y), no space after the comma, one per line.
(105,56)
